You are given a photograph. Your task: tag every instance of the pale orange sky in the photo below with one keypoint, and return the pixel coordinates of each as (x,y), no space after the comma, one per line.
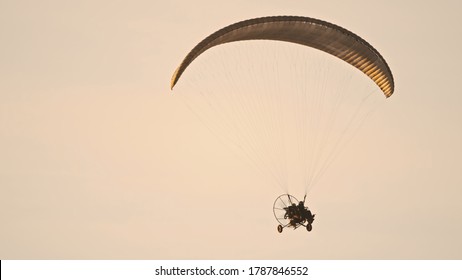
(99,161)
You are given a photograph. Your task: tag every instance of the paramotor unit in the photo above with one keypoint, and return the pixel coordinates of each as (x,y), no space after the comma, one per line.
(289,92)
(290,212)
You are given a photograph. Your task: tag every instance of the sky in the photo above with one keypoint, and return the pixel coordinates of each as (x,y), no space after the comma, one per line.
(99,160)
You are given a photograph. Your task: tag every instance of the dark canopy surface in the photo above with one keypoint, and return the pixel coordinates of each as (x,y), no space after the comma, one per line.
(310,32)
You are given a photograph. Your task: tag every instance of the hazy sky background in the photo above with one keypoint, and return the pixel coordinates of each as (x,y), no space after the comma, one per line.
(99,161)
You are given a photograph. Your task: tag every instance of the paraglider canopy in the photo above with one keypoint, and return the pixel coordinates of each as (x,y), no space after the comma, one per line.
(314,33)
